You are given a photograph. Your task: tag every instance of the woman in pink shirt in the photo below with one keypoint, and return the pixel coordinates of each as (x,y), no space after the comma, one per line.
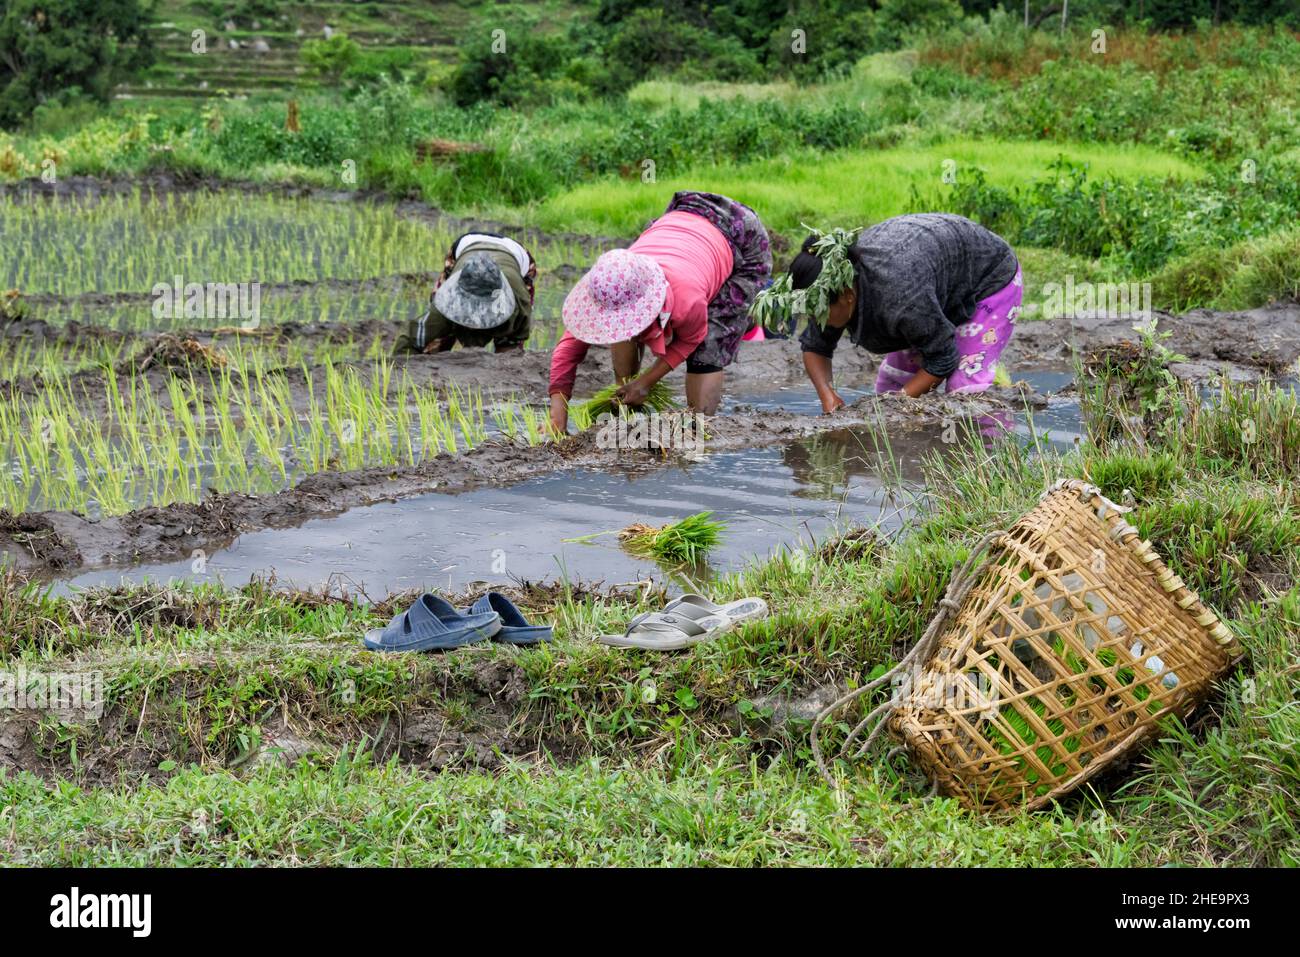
(683,289)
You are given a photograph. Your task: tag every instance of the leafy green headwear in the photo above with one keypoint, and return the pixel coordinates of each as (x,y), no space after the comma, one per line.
(780,302)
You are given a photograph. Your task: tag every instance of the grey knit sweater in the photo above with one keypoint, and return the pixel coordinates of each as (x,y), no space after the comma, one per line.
(919,276)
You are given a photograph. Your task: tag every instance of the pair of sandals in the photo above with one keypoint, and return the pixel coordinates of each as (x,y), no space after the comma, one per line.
(686,621)
(434,624)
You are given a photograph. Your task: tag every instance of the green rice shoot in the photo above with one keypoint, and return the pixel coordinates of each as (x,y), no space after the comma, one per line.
(659,399)
(680,543)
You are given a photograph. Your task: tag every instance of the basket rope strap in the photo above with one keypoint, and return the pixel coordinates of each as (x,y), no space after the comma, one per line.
(963,580)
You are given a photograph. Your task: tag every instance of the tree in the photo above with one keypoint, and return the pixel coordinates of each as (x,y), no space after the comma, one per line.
(51,49)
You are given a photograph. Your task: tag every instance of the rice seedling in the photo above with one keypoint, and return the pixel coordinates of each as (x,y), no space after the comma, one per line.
(278,309)
(23,358)
(130,242)
(584,415)
(537,426)
(685,542)
(506,417)
(517,421)
(230,427)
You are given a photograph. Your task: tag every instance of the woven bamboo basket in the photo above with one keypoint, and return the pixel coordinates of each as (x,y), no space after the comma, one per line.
(1058,649)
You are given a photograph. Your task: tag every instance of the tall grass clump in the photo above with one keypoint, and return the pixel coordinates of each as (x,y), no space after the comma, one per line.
(1247,274)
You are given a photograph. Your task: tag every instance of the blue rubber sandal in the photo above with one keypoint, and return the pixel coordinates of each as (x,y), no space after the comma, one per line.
(515,629)
(430,624)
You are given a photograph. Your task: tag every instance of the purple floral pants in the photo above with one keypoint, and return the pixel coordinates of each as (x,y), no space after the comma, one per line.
(979,344)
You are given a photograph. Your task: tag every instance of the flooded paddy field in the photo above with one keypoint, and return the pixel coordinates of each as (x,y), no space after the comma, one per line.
(210,511)
(150,439)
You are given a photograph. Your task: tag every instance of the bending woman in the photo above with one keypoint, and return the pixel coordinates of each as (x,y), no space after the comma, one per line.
(683,289)
(484,295)
(937,293)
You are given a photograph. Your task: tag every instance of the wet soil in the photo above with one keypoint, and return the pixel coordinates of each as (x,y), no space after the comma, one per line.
(1241,344)
(475,715)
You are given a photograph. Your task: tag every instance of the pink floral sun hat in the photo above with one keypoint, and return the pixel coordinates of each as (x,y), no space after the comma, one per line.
(617,299)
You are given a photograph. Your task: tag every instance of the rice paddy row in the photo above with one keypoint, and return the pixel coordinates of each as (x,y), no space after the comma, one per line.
(396,302)
(50,360)
(231,427)
(131,242)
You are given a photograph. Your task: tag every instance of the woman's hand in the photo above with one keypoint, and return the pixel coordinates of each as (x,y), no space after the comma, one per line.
(559,414)
(634,393)
(831,401)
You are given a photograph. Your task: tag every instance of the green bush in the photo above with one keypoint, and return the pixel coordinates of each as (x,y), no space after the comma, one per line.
(61,49)
(1137,226)
(1250,273)
(331,56)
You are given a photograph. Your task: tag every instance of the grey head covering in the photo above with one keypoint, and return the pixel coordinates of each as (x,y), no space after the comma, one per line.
(476,295)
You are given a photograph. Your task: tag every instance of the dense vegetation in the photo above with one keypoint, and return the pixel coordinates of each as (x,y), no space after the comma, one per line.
(64,49)
(561,141)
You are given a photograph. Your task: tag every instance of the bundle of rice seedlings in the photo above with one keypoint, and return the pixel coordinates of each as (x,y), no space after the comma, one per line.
(659,399)
(173,352)
(1025,733)
(684,542)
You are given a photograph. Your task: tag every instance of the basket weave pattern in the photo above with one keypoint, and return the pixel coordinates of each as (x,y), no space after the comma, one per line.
(1072,643)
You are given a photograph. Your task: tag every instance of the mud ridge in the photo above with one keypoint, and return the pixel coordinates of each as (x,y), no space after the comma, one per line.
(477,715)
(1241,344)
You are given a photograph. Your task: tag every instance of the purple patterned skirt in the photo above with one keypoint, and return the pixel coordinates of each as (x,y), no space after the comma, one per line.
(751,253)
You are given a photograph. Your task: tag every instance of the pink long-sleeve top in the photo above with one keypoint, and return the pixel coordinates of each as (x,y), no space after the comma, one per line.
(696,259)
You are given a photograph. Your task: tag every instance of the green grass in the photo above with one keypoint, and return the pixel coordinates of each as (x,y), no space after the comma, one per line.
(844,190)
(1249,273)
(728,811)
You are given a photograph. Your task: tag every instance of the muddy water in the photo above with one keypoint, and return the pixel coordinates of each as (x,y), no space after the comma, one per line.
(785,495)
(769,497)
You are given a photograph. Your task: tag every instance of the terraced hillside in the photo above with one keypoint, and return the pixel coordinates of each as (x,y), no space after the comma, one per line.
(254,46)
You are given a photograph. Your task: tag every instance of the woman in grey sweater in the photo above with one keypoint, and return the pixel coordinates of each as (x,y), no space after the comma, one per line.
(936,293)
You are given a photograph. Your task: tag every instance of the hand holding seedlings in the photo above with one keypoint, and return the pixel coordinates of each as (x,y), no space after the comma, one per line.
(634,393)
